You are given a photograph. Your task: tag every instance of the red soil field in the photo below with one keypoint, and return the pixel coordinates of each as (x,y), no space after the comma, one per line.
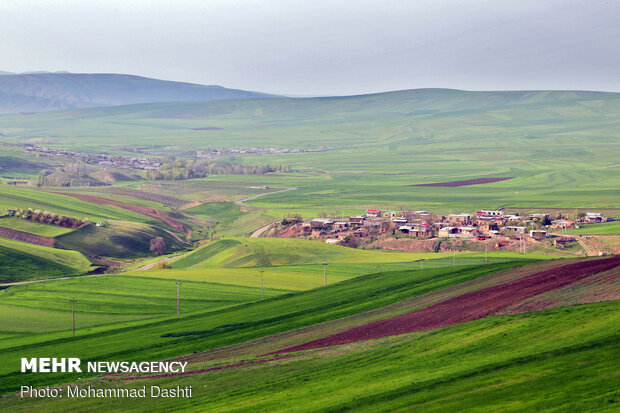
(467,307)
(27,237)
(161,216)
(604,286)
(477,181)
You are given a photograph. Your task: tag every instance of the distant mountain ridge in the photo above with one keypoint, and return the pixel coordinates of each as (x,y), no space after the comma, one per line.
(37,92)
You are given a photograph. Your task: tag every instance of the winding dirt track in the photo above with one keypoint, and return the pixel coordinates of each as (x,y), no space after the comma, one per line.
(467,307)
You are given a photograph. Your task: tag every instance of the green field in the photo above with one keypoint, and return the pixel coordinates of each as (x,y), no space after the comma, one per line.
(532,368)
(44,307)
(119,239)
(36,228)
(23,262)
(607,228)
(561,147)
(255,252)
(203,330)
(61,204)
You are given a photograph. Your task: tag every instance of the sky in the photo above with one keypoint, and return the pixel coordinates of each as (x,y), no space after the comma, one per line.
(310,48)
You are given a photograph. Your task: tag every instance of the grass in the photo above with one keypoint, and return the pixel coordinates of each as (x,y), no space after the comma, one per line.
(607,228)
(266,252)
(559,146)
(101,300)
(23,262)
(554,360)
(36,228)
(561,152)
(307,276)
(61,204)
(200,331)
(120,239)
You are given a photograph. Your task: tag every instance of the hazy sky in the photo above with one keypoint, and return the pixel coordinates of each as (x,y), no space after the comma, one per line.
(318,47)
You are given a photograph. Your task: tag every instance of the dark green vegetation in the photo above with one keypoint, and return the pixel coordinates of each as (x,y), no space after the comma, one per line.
(37,92)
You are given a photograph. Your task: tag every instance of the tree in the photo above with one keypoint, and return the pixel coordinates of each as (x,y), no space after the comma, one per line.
(158,245)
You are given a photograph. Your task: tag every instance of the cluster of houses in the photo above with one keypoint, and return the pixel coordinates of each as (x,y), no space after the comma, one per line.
(123,162)
(422,224)
(214,153)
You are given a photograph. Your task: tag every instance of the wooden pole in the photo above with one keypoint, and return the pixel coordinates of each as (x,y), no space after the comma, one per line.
(73,300)
(324,273)
(179,297)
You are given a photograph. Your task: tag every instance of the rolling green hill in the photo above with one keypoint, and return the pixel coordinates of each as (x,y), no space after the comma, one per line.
(202,330)
(23,262)
(256,252)
(118,239)
(560,147)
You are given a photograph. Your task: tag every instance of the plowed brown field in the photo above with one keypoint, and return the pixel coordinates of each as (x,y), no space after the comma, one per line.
(467,307)
(467,182)
(27,237)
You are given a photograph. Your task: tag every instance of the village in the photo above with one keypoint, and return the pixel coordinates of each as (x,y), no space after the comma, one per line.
(122,162)
(493,228)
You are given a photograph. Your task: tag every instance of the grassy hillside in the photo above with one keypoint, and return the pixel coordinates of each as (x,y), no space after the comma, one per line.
(23,262)
(106,300)
(544,361)
(31,227)
(560,147)
(255,252)
(119,239)
(46,201)
(204,330)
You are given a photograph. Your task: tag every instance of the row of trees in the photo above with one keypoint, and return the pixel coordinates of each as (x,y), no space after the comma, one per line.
(47,217)
(181,169)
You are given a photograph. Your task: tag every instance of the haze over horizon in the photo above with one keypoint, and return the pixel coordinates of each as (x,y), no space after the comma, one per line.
(323,48)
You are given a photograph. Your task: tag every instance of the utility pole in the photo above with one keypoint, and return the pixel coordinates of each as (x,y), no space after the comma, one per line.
(324,273)
(262,292)
(179,298)
(454,259)
(486,244)
(73,300)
